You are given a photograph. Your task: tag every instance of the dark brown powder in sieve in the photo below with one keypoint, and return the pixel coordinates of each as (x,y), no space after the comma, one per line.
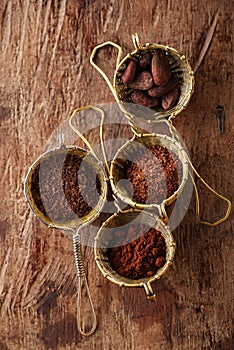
(155,174)
(140,258)
(59,185)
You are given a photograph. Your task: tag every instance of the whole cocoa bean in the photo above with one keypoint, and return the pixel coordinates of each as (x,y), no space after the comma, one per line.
(141,98)
(158,91)
(169,100)
(129,72)
(145,61)
(161,70)
(143,81)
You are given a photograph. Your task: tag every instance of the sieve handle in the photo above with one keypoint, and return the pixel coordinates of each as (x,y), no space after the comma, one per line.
(92,58)
(149,291)
(83,138)
(82,283)
(167,122)
(229,205)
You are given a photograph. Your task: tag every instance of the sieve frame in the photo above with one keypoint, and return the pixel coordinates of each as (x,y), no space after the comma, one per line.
(161,139)
(75,225)
(118,279)
(118,86)
(187,78)
(71,224)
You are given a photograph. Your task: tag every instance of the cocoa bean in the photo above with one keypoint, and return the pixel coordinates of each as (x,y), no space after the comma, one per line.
(143,81)
(158,91)
(169,100)
(145,61)
(161,70)
(129,72)
(141,98)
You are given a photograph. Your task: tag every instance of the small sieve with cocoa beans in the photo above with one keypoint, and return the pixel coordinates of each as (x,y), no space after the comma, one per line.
(153,76)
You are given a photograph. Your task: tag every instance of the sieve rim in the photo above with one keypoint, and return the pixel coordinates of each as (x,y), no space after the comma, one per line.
(74,223)
(124,281)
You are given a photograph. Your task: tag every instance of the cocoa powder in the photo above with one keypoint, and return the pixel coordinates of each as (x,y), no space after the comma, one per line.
(59,183)
(155,175)
(140,258)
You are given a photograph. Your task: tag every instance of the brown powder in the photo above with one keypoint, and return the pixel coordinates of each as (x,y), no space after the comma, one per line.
(58,186)
(155,175)
(140,258)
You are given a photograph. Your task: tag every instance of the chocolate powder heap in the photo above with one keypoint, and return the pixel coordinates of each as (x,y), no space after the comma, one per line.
(155,175)
(59,183)
(141,257)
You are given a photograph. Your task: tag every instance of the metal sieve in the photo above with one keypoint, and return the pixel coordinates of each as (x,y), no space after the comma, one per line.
(71,223)
(104,240)
(63,151)
(178,63)
(128,152)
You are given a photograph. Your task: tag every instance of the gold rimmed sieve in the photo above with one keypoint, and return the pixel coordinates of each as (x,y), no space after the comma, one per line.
(127,153)
(33,179)
(104,241)
(179,66)
(74,221)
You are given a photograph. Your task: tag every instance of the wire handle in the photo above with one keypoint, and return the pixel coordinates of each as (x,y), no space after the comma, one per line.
(136,41)
(229,205)
(149,291)
(163,120)
(92,57)
(137,46)
(83,138)
(82,283)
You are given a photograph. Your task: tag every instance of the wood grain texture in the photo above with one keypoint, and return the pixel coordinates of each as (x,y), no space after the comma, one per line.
(44,74)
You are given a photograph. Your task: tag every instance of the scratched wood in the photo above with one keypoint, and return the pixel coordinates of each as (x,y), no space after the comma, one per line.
(45,73)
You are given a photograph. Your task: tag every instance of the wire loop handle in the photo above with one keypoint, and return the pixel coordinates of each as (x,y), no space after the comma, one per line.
(83,138)
(136,41)
(92,57)
(165,121)
(229,205)
(174,134)
(82,282)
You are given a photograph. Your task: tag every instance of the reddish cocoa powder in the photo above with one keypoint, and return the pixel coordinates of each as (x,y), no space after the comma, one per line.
(141,257)
(154,175)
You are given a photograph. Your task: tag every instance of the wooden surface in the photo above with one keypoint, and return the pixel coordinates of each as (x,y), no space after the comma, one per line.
(44,74)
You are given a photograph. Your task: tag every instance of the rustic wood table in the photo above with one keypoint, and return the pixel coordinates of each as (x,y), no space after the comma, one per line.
(45,73)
